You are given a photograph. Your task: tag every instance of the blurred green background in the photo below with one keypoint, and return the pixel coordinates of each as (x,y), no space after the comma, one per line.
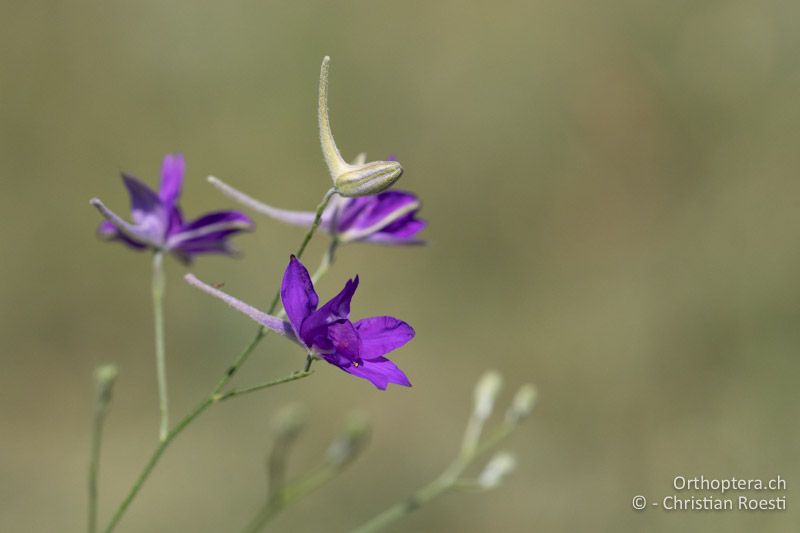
(612,189)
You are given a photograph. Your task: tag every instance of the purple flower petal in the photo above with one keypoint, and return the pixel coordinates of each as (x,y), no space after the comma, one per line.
(351,210)
(297,294)
(172,171)
(108,231)
(144,201)
(382,334)
(380,372)
(383,206)
(401,232)
(336,310)
(209,234)
(175,220)
(212,245)
(147,212)
(220,219)
(345,340)
(389,216)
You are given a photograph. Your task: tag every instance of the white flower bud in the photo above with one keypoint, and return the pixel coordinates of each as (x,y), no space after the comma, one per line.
(522,404)
(104,377)
(498,467)
(486,392)
(352,440)
(288,422)
(360,178)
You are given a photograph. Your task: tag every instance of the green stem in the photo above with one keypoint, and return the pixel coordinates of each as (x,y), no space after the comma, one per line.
(238,392)
(446,481)
(105,377)
(94,464)
(210,399)
(161,363)
(327,261)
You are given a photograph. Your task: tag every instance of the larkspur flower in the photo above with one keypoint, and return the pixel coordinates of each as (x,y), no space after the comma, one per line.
(327,332)
(389,217)
(158,222)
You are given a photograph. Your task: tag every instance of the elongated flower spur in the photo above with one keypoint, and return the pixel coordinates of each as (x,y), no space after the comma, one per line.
(357,348)
(389,217)
(158,222)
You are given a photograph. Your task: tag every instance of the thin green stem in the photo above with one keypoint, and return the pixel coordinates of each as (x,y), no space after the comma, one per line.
(310,233)
(161,363)
(327,261)
(104,376)
(94,466)
(238,392)
(445,482)
(210,399)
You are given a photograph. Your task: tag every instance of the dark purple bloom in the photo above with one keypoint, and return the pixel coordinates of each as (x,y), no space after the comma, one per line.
(327,332)
(158,222)
(389,217)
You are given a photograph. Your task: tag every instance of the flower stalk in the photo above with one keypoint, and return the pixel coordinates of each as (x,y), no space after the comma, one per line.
(161,357)
(104,376)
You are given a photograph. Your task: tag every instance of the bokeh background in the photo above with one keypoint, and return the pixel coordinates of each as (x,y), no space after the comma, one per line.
(612,189)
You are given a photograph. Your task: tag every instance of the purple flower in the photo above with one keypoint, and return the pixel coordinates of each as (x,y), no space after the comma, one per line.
(389,217)
(158,222)
(327,332)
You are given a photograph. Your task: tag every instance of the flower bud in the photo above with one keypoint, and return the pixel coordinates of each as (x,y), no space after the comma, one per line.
(360,178)
(347,445)
(288,423)
(498,467)
(486,391)
(104,377)
(370,178)
(522,404)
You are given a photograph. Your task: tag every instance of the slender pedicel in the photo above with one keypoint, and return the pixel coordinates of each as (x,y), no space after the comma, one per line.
(104,376)
(161,356)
